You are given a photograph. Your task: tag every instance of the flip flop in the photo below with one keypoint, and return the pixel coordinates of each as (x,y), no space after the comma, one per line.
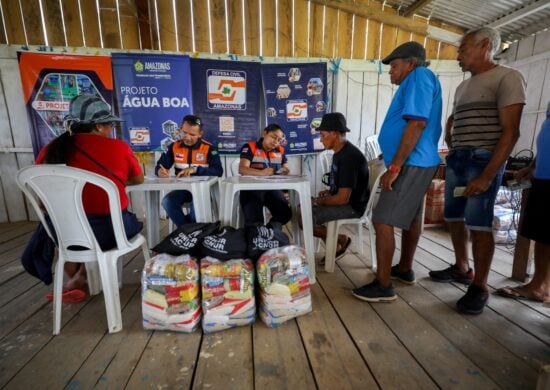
(343,249)
(69,296)
(515,293)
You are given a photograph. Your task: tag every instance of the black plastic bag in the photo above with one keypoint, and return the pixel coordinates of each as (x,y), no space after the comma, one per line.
(261,238)
(186,239)
(229,243)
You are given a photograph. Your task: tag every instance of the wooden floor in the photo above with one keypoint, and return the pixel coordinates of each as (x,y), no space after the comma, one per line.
(417,342)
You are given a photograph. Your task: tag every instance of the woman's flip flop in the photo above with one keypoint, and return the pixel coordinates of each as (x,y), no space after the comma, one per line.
(69,296)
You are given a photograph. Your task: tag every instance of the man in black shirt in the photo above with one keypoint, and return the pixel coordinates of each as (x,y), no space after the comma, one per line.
(348,180)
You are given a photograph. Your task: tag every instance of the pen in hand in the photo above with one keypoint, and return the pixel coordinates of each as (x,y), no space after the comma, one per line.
(163,172)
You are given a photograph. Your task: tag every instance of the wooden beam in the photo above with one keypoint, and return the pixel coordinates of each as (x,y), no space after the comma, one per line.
(408,24)
(419,4)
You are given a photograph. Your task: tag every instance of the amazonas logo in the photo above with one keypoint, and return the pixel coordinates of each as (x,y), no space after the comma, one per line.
(138,66)
(226,89)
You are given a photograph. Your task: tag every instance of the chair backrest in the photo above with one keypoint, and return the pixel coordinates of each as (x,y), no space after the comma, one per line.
(372,148)
(325,157)
(235,167)
(377,174)
(58,188)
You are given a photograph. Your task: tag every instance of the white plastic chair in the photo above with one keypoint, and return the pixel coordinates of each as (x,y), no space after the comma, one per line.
(334,226)
(325,158)
(58,189)
(372,148)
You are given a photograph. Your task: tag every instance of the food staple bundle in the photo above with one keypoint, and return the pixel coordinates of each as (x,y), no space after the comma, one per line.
(227,293)
(170,293)
(283,276)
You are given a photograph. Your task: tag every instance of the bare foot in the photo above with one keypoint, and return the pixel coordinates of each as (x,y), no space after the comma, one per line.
(78,281)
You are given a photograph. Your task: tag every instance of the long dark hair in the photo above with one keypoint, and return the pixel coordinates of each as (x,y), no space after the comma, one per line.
(60,149)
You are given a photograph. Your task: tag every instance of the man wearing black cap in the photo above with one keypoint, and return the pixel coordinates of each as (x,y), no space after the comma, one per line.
(190,156)
(408,139)
(348,180)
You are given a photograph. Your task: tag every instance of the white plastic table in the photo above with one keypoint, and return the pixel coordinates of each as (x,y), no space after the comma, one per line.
(199,186)
(300,194)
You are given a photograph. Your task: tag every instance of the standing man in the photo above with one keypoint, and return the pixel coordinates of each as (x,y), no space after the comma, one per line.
(191,156)
(408,139)
(480,134)
(535,221)
(348,181)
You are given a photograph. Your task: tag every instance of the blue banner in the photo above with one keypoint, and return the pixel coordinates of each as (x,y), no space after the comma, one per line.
(296,99)
(153,93)
(225,96)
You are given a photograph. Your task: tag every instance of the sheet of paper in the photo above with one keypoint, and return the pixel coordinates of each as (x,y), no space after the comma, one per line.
(184,179)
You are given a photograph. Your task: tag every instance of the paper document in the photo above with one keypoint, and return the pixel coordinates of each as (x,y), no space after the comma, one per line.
(274,177)
(174,178)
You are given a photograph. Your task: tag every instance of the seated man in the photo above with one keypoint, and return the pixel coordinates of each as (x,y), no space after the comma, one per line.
(191,156)
(348,181)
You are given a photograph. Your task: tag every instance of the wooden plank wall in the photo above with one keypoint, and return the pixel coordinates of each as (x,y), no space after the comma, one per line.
(273,28)
(531,56)
(363,93)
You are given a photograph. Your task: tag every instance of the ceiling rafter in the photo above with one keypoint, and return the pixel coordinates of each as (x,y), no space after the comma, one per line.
(408,24)
(417,5)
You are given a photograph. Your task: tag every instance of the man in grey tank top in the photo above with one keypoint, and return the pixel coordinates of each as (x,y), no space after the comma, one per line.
(480,134)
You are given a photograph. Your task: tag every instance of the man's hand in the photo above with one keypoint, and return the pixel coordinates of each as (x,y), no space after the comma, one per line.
(324,193)
(163,172)
(387,179)
(267,172)
(477,186)
(524,173)
(186,172)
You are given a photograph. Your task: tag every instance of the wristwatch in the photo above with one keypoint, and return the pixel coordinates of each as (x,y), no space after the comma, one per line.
(394,168)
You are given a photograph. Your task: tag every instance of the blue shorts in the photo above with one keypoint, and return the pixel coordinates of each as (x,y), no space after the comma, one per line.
(464,165)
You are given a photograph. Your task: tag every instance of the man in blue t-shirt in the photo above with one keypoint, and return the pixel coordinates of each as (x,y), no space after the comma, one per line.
(408,139)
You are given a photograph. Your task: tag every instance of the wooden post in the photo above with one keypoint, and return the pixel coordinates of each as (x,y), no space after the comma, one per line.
(543,382)
(522,251)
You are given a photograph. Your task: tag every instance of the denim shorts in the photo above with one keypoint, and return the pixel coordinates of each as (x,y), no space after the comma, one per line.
(464,165)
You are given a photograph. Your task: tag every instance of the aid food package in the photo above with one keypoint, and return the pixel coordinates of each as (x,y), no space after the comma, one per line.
(170,293)
(227,294)
(283,276)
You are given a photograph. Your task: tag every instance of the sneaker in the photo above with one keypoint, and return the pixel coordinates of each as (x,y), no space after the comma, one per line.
(406,277)
(473,301)
(374,292)
(452,274)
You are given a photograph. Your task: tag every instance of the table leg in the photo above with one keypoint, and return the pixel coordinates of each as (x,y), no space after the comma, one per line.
(153,227)
(307,223)
(203,207)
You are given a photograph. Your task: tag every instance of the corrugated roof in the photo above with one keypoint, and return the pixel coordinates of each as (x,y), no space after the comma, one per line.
(514,19)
